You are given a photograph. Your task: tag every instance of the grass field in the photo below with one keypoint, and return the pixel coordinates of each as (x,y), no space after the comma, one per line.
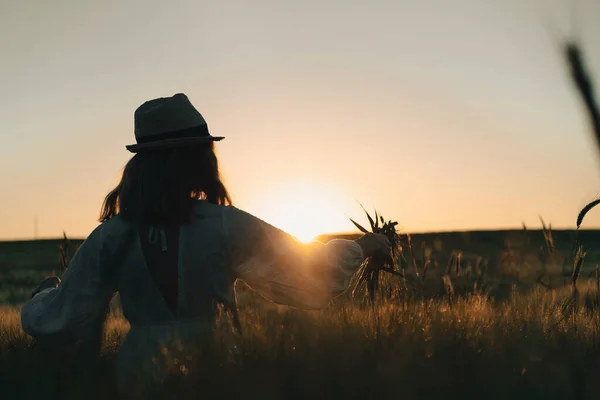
(509,337)
(523,348)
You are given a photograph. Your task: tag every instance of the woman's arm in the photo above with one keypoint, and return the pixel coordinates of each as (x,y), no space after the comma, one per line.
(66,314)
(286,271)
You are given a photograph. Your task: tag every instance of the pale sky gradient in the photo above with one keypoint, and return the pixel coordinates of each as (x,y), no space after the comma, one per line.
(442,114)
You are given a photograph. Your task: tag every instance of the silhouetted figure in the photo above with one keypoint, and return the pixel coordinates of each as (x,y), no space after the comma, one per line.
(172,245)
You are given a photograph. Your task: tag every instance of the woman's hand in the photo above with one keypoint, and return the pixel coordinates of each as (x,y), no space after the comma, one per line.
(50,282)
(374,244)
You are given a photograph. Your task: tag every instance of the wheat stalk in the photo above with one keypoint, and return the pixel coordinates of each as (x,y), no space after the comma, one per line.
(369,273)
(63,254)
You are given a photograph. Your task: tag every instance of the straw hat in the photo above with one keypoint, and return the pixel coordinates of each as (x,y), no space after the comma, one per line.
(168,122)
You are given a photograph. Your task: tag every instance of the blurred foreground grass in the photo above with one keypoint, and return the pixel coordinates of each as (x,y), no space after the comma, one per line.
(521,348)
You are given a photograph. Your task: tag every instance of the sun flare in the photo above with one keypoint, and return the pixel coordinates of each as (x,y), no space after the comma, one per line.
(304,210)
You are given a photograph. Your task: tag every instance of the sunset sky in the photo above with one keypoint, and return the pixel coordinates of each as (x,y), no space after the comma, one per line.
(444,115)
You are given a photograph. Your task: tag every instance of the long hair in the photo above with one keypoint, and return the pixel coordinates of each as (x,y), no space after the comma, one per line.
(161,187)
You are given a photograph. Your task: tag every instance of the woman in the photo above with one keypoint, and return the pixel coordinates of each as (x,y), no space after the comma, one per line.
(172,245)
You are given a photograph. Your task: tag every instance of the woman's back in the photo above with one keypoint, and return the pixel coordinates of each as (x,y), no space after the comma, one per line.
(178,272)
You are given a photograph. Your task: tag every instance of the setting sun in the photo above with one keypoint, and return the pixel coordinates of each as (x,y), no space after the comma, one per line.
(304,210)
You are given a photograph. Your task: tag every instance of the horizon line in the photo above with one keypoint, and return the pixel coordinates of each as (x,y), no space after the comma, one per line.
(343,233)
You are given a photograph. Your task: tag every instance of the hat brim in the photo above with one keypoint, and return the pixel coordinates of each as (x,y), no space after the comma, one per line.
(171,143)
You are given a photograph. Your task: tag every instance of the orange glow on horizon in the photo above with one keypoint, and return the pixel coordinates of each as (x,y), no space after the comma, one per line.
(303,209)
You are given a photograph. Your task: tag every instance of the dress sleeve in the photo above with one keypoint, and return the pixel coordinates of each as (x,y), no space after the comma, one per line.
(286,271)
(63,315)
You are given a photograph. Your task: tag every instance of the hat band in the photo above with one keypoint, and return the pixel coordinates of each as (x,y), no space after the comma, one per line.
(195,131)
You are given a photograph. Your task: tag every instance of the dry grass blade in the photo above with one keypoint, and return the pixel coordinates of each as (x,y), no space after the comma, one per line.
(360,279)
(449,287)
(370,219)
(583,83)
(403,262)
(566,309)
(412,255)
(585,210)
(451,262)
(579,257)
(426,258)
(425,267)
(360,227)
(547,230)
(63,254)
(570,305)
(544,227)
